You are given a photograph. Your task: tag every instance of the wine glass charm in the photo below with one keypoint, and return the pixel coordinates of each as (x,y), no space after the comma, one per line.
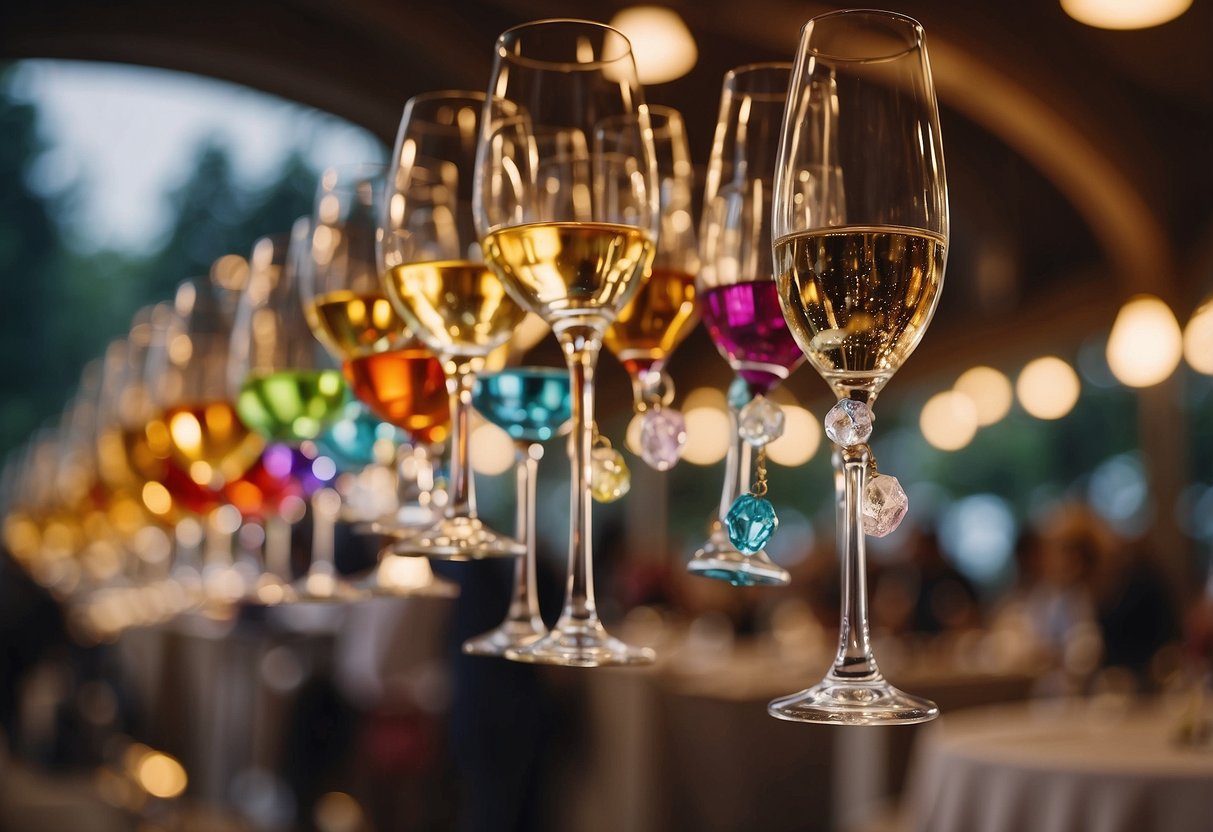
(849,423)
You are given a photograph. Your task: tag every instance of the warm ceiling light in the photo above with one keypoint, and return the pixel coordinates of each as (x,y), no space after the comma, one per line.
(1145,345)
(949,420)
(800,440)
(1124,14)
(1198,339)
(990,392)
(661,42)
(1048,388)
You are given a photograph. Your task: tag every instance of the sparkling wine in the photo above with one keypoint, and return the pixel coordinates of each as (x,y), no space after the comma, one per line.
(210,443)
(858,299)
(747,326)
(531,404)
(563,270)
(292,405)
(655,321)
(458,307)
(406,388)
(139,460)
(350,325)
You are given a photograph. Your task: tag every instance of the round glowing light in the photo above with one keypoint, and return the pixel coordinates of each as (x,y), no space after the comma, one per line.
(989,390)
(1124,14)
(662,45)
(704,397)
(1146,344)
(707,436)
(1198,339)
(160,775)
(1048,388)
(801,438)
(492,449)
(949,420)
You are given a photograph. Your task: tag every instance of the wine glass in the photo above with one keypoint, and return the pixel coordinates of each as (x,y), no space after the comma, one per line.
(859,285)
(287,395)
(436,278)
(386,368)
(663,312)
(568,215)
(737,294)
(208,446)
(532,405)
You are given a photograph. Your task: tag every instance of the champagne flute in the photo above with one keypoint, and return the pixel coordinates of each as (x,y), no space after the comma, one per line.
(663,312)
(737,290)
(568,214)
(532,405)
(859,286)
(436,278)
(286,395)
(386,368)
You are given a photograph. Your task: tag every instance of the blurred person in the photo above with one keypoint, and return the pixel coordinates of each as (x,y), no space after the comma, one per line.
(925,593)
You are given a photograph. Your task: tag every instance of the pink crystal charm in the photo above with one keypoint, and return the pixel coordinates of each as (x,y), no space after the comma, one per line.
(663,434)
(884,505)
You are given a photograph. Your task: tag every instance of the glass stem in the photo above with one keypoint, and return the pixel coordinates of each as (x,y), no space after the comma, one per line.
(581,345)
(524,605)
(460,383)
(736,465)
(855,661)
(325,504)
(278,547)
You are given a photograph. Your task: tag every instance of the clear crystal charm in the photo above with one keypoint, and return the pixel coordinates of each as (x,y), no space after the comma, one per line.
(739,394)
(849,423)
(663,433)
(610,478)
(751,521)
(761,421)
(884,505)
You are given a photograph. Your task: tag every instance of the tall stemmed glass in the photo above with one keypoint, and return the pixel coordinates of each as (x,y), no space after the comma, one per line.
(285,393)
(663,311)
(436,278)
(568,212)
(532,405)
(388,370)
(737,289)
(859,286)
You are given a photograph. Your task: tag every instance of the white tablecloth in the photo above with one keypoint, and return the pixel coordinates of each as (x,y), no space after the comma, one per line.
(1053,768)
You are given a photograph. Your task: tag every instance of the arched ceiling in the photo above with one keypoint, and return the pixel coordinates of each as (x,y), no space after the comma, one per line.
(1079,160)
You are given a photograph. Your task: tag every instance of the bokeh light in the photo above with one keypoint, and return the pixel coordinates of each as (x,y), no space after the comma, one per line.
(707,435)
(989,390)
(1198,339)
(949,420)
(1145,345)
(662,44)
(801,438)
(1048,388)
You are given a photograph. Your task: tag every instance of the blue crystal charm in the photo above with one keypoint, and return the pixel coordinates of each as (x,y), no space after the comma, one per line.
(739,394)
(751,521)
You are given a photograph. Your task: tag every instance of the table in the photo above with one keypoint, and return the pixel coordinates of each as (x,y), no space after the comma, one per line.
(1068,767)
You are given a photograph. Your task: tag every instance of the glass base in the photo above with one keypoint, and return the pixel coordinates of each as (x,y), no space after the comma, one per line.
(269,591)
(326,588)
(581,644)
(511,635)
(397,576)
(836,701)
(458,538)
(720,560)
(402,524)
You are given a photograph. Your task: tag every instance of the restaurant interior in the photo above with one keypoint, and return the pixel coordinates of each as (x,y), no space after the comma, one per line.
(390,611)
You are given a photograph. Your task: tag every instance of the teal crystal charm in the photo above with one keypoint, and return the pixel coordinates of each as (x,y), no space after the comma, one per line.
(751,521)
(739,394)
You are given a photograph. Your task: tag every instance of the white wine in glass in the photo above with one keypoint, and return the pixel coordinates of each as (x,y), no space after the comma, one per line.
(860,239)
(566,204)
